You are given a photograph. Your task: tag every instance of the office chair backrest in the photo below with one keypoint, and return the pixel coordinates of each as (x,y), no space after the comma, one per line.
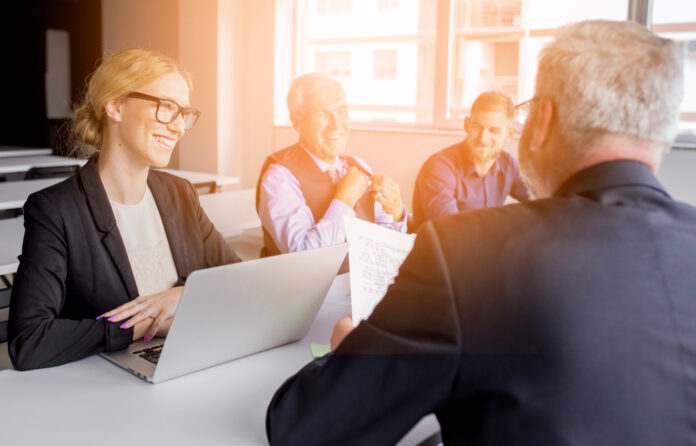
(36,173)
(231,211)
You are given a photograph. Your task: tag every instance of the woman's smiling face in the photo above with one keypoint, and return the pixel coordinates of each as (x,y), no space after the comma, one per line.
(149,141)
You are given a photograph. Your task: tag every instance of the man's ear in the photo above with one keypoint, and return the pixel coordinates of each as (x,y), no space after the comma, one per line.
(113,110)
(542,127)
(511,130)
(467,123)
(296,121)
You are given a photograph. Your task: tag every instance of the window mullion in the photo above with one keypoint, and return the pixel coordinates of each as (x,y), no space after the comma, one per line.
(640,11)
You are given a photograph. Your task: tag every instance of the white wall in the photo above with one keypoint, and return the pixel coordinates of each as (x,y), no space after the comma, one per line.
(257,66)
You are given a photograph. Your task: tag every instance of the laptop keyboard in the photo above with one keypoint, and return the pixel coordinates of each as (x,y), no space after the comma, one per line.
(151,354)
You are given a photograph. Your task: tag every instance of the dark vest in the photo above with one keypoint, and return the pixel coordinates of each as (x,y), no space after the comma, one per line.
(317,188)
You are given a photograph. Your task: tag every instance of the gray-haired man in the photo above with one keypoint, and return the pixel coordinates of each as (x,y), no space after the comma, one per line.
(305,190)
(567,320)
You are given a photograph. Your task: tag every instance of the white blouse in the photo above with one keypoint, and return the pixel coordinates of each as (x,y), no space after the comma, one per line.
(146,243)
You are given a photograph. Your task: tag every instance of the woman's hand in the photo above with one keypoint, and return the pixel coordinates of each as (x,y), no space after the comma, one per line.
(159,307)
(143,330)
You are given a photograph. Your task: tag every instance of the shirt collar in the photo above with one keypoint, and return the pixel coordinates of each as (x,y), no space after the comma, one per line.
(323,165)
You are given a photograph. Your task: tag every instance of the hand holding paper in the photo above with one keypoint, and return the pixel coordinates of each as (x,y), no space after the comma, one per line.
(375,255)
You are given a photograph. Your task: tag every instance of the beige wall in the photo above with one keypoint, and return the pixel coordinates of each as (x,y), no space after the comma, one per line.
(151,24)
(257,92)
(187,31)
(197,33)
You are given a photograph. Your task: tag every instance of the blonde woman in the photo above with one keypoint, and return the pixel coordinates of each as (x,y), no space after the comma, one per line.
(106,251)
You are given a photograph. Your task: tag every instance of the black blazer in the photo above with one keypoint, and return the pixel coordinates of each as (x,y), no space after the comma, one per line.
(74,265)
(570,320)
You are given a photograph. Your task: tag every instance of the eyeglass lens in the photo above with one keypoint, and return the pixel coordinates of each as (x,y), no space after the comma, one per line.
(168,111)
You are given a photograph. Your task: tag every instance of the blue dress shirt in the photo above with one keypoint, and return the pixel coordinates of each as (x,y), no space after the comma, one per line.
(448,183)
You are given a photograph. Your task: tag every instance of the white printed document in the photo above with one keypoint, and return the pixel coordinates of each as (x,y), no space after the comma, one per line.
(374,256)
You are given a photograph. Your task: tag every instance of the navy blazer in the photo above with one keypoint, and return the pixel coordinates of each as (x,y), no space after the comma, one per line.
(569,320)
(74,265)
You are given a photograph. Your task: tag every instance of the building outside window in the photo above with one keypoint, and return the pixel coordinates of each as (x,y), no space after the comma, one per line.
(421,63)
(385,65)
(334,6)
(382,52)
(676,20)
(336,63)
(387,5)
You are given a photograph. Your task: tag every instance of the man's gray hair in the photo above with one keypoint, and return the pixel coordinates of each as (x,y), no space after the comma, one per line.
(612,78)
(303,85)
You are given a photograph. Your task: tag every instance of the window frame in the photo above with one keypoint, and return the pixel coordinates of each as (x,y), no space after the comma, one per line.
(442,121)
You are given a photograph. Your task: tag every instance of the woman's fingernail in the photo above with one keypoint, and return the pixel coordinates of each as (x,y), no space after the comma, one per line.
(111,319)
(146,339)
(124,325)
(100,316)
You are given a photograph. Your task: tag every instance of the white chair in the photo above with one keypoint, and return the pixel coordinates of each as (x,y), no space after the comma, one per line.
(234,214)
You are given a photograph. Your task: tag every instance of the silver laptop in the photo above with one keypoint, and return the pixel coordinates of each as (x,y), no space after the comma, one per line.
(235,310)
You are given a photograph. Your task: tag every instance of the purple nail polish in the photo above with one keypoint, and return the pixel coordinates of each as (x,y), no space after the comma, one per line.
(123,325)
(111,319)
(100,316)
(146,339)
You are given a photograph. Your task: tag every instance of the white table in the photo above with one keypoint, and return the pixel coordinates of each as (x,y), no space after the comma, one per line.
(24,163)
(94,402)
(7,151)
(197,178)
(14,164)
(13,194)
(11,236)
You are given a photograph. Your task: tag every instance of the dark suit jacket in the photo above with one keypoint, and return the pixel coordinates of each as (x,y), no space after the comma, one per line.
(570,320)
(74,265)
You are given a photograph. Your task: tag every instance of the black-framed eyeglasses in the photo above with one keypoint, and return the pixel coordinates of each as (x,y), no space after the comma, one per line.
(168,110)
(524,106)
(522,110)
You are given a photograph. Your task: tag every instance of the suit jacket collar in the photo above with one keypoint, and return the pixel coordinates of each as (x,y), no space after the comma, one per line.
(610,174)
(103,216)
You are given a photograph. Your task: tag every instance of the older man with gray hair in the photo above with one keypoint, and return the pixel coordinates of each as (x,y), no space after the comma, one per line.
(305,190)
(570,319)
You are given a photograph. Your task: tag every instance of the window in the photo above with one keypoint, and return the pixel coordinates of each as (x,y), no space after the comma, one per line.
(496,44)
(333,6)
(421,63)
(676,20)
(387,5)
(383,57)
(385,65)
(336,63)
